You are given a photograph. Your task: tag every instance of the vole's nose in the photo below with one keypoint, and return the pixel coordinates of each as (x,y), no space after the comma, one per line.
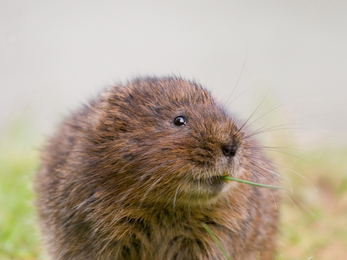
(229,150)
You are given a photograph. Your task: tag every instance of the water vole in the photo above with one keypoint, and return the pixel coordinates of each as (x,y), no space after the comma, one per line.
(134,174)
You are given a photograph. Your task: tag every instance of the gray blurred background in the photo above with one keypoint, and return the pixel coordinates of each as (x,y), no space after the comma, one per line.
(55,55)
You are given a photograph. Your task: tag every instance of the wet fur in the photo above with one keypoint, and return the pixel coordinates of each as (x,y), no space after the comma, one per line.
(120,181)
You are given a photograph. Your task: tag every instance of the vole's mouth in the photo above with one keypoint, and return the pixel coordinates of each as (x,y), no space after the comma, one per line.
(212,181)
(206,188)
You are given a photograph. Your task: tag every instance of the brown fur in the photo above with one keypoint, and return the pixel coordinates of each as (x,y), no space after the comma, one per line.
(119,180)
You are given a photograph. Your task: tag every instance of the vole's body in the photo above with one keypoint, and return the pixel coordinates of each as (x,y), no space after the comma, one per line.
(136,173)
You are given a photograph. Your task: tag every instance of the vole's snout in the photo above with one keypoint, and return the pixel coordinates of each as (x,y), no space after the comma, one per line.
(229,149)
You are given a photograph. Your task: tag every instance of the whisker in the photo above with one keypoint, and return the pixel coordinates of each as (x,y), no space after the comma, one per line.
(282,174)
(297,174)
(253,85)
(256,110)
(255,173)
(290,184)
(272,172)
(306,208)
(240,76)
(268,113)
(283,148)
(273,197)
(293,203)
(280,150)
(262,130)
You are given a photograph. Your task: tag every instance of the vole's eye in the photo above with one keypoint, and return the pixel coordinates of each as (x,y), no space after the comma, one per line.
(180,120)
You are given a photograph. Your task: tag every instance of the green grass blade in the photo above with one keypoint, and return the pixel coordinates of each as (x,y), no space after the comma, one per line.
(216,240)
(251,183)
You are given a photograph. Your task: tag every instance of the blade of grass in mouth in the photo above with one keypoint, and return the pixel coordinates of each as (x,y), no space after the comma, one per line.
(226,178)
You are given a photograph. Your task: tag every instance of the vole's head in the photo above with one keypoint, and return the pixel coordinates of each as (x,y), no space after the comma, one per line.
(163,139)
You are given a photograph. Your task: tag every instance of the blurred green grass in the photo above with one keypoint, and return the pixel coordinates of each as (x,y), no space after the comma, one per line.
(19,237)
(313,222)
(314,217)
